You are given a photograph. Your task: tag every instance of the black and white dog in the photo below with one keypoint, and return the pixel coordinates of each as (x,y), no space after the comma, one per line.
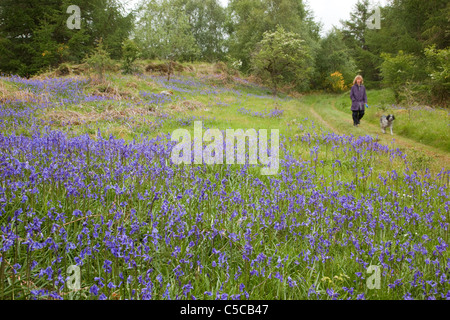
(387,121)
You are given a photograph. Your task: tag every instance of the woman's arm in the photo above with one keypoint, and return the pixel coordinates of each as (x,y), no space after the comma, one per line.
(352,94)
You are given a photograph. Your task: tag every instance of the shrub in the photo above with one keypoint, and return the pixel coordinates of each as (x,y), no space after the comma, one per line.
(336,82)
(100,61)
(130,52)
(398,70)
(438,68)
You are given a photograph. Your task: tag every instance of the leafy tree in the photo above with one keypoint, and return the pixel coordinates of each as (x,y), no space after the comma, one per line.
(249,19)
(164,32)
(436,27)
(207,20)
(106,20)
(130,52)
(100,60)
(399,70)
(282,57)
(355,29)
(34,34)
(334,56)
(355,35)
(438,67)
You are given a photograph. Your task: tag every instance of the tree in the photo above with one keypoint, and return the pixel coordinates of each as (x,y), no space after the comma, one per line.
(19,20)
(207,20)
(249,19)
(437,27)
(106,20)
(355,33)
(163,31)
(410,26)
(130,52)
(334,56)
(35,35)
(282,57)
(438,68)
(355,29)
(99,60)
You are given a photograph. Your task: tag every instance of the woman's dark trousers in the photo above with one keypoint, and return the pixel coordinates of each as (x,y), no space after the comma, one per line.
(357,116)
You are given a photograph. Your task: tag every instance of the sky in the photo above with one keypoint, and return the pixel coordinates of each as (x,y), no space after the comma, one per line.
(328,12)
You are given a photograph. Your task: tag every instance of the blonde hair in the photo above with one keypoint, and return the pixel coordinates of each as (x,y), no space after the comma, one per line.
(358,77)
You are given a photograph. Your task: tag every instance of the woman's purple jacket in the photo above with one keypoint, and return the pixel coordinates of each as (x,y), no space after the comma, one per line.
(359,97)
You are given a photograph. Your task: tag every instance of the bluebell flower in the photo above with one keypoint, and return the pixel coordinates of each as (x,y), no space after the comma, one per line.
(94,290)
(111,285)
(408,296)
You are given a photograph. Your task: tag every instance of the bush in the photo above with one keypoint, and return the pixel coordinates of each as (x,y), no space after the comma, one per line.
(416,80)
(336,82)
(399,70)
(130,52)
(100,61)
(438,67)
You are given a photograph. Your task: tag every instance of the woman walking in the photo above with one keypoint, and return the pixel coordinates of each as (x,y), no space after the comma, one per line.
(359,99)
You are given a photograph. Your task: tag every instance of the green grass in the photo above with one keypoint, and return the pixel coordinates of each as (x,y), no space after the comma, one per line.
(426,125)
(332,191)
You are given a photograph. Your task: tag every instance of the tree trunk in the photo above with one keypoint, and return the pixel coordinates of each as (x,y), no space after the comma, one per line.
(274,86)
(169,70)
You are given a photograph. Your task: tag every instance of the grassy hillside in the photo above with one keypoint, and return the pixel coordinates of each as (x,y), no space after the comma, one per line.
(87,180)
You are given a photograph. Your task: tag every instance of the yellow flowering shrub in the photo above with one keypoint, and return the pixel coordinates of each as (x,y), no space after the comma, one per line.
(336,82)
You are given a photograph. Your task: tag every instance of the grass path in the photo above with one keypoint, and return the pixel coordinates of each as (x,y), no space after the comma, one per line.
(339,121)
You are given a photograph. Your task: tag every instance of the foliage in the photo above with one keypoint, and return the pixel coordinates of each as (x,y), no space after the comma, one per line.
(336,82)
(415,77)
(164,32)
(281,57)
(355,29)
(107,20)
(398,70)
(333,55)
(207,20)
(406,25)
(47,51)
(439,71)
(34,35)
(100,60)
(356,35)
(249,19)
(436,27)
(130,52)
